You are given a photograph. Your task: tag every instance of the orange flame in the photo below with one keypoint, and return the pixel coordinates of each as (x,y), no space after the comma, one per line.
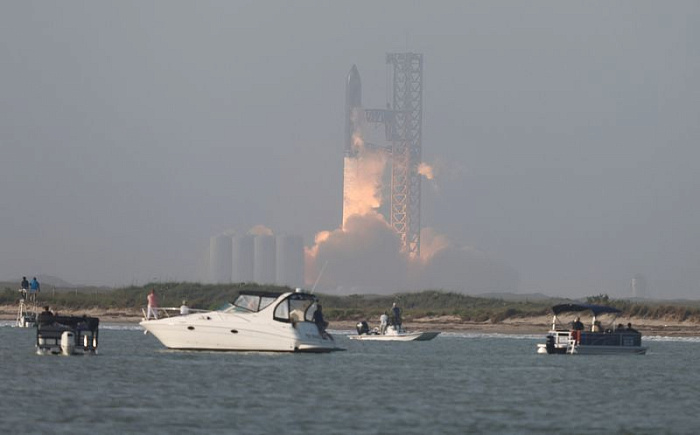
(426,170)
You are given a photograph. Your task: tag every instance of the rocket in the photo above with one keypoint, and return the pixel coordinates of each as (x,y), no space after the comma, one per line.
(353,102)
(351,168)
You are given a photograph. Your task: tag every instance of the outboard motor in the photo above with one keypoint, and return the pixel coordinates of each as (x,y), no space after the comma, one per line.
(550,344)
(362,328)
(67,343)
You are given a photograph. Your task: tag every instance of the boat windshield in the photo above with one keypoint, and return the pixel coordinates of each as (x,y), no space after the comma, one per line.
(298,307)
(252,303)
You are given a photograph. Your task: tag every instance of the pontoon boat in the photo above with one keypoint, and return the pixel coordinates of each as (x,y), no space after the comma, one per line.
(593,340)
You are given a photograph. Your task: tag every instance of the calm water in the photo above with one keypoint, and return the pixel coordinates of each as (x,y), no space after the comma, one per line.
(455,384)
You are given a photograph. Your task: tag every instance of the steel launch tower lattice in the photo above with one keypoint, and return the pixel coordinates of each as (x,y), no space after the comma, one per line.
(406,72)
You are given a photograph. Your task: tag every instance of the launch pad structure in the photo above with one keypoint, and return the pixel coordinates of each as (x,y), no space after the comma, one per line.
(403,121)
(406,148)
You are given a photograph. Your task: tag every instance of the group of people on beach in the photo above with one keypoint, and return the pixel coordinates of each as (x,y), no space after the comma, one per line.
(29,289)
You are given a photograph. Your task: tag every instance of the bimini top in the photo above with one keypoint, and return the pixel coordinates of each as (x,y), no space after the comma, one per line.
(596,309)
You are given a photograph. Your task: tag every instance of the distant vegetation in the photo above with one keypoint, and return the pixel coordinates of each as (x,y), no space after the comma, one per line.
(352,307)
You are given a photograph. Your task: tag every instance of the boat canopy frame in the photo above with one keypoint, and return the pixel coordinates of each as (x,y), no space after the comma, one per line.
(596,309)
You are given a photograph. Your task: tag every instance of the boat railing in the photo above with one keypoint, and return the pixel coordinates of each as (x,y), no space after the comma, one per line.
(613,338)
(171,311)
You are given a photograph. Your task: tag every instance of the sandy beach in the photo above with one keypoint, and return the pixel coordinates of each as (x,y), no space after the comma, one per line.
(529,325)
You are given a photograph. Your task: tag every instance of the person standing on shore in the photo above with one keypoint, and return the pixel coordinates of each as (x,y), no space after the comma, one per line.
(34,289)
(24,287)
(152,305)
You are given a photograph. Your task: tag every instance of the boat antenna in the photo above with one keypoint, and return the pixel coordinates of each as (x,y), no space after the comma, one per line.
(318,278)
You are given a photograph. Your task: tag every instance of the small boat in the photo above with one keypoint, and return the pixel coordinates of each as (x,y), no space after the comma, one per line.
(392,333)
(66,335)
(256,321)
(594,340)
(26,315)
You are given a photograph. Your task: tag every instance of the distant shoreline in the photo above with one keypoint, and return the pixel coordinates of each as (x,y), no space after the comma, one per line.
(526,325)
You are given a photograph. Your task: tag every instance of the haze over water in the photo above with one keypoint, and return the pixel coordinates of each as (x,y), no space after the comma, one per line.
(455,384)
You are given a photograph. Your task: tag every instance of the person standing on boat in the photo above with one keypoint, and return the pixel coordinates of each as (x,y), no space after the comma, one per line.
(45,317)
(184,309)
(152,305)
(577,327)
(320,322)
(34,288)
(396,316)
(383,323)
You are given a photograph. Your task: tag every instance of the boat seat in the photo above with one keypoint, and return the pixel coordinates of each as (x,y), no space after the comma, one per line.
(296,316)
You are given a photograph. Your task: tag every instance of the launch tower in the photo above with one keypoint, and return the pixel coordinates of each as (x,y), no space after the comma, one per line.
(406,151)
(402,120)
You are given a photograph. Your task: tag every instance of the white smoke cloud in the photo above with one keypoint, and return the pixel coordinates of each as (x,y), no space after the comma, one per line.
(467,270)
(366,257)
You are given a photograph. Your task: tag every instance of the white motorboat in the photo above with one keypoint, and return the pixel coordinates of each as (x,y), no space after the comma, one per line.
(26,315)
(256,321)
(392,333)
(593,340)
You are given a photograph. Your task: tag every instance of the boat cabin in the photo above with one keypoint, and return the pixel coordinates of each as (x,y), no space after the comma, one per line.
(296,307)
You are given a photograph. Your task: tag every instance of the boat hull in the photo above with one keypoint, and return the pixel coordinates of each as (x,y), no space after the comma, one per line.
(407,336)
(216,331)
(614,343)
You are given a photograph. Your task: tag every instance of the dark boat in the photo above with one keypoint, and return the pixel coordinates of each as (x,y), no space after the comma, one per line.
(66,335)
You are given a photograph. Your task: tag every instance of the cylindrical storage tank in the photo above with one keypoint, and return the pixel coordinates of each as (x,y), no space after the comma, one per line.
(290,261)
(264,269)
(243,259)
(220,259)
(639,286)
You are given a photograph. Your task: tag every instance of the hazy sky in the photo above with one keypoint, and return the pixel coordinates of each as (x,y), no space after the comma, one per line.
(565,135)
